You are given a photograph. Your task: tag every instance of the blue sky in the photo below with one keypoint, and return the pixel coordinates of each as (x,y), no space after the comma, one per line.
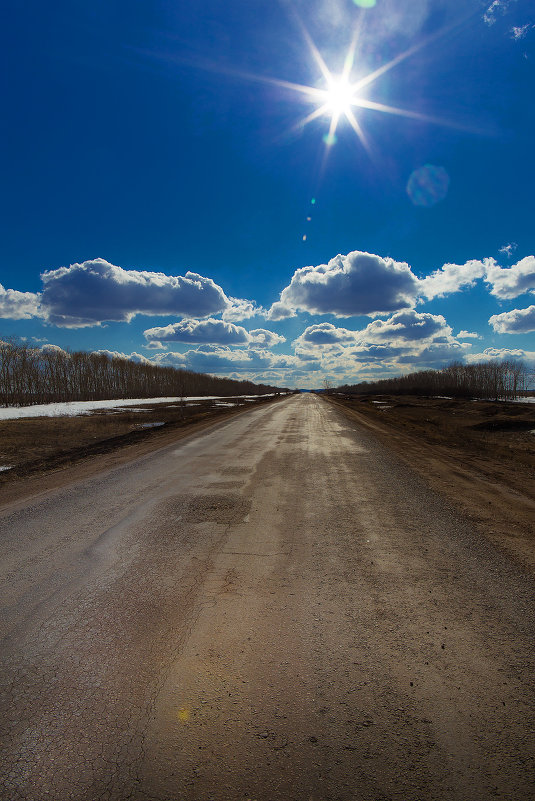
(282,190)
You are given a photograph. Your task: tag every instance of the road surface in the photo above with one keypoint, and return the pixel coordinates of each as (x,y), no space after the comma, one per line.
(276,609)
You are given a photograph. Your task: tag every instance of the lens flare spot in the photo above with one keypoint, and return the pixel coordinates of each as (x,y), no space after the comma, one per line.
(183,714)
(313,201)
(365,3)
(330,139)
(304,237)
(428,185)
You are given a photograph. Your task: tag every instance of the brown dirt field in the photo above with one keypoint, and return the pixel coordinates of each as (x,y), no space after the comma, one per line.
(480,454)
(38,445)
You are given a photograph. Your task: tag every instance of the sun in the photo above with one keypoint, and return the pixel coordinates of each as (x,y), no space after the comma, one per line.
(339,96)
(342,97)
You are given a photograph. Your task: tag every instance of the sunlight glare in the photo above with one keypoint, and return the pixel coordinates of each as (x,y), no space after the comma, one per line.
(339,96)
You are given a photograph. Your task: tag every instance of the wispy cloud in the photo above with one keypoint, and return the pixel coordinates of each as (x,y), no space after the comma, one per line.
(496,8)
(520,31)
(508,249)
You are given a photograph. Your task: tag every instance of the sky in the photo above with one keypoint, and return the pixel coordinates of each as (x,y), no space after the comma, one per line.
(288,191)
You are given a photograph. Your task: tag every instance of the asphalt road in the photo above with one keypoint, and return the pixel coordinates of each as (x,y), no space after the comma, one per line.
(275,609)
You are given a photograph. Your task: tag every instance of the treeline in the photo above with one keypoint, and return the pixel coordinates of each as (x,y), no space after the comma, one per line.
(494,380)
(30,376)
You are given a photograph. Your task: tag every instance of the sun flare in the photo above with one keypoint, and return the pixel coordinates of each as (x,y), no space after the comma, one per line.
(339,96)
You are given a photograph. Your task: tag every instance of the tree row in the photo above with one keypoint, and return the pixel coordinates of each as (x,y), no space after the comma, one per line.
(494,380)
(31,375)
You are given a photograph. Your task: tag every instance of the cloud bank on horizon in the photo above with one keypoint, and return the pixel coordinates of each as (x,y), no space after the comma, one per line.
(400,337)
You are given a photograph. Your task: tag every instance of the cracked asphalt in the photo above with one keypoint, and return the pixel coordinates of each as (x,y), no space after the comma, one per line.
(275,609)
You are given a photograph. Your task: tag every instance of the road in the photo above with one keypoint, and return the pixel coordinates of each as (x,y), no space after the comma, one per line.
(275,609)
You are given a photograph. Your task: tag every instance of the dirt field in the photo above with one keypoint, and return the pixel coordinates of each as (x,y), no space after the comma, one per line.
(480,454)
(36,445)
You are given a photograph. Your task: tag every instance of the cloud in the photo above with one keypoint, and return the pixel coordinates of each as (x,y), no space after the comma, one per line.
(520,31)
(405,338)
(15,305)
(509,249)
(468,335)
(199,331)
(372,353)
(325,334)
(132,357)
(264,338)
(279,311)
(216,332)
(495,8)
(240,309)
(95,291)
(435,355)
(356,284)
(499,353)
(451,278)
(509,282)
(517,321)
(49,348)
(213,359)
(406,326)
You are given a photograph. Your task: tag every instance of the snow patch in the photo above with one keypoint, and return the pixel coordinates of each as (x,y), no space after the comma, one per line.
(76,408)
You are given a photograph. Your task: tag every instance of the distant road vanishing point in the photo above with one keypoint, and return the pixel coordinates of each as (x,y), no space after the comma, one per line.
(276,608)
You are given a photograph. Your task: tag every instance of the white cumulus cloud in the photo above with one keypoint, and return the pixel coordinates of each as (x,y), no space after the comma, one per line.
(356,284)
(325,334)
(116,354)
(468,335)
(15,305)
(216,332)
(279,311)
(96,291)
(516,321)
(199,331)
(261,337)
(241,309)
(221,359)
(452,278)
(509,282)
(406,326)
(489,354)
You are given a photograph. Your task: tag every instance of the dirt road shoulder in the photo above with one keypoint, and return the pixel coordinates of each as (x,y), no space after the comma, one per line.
(494,495)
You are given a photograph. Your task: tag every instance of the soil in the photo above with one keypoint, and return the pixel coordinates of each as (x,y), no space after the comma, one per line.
(32,446)
(479,454)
